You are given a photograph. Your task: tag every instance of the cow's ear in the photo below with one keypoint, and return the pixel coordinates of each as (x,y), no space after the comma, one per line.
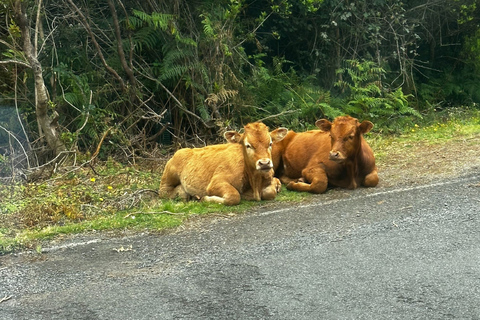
(365,126)
(232,136)
(323,125)
(278,134)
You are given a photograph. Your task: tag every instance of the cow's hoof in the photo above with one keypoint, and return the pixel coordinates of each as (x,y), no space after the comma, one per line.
(277,184)
(291,185)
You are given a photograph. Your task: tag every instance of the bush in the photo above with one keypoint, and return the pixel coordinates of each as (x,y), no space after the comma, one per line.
(366,97)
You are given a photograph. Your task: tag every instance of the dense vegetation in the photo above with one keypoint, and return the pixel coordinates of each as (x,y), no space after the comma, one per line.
(81,80)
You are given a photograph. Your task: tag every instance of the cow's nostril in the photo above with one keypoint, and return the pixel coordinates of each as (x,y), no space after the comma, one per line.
(264,164)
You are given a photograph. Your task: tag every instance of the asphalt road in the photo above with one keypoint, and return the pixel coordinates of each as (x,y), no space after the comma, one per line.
(399,253)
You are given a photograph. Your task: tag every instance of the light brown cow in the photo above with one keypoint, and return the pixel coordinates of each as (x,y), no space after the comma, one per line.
(335,155)
(225,173)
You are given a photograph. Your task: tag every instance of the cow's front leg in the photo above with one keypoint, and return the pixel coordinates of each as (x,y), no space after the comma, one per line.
(371,179)
(177,192)
(271,191)
(223,193)
(286,180)
(316,176)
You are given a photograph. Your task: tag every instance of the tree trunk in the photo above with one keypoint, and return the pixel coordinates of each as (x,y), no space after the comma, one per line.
(47,126)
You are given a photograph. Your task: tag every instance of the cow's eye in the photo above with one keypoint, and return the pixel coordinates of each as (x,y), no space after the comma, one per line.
(248,146)
(271,144)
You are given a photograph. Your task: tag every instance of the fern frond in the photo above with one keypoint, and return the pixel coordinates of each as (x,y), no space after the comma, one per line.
(146,37)
(173,72)
(156,19)
(222,96)
(207,26)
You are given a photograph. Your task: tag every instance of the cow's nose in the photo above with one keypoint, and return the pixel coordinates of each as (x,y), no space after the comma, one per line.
(263,164)
(334,154)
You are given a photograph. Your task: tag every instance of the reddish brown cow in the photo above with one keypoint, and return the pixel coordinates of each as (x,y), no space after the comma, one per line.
(337,154)
(225,173)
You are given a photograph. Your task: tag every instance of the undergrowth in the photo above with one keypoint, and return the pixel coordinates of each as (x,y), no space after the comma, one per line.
(107,197)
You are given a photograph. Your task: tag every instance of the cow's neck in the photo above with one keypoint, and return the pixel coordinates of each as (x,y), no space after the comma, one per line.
(254,180)
(352,164)
(351,167)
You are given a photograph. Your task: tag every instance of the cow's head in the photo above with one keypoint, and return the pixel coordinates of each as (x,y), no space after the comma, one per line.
(257,144)
(345,133)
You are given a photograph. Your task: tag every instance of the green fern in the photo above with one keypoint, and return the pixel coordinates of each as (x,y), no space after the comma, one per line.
(368,98)
(156,19)
(207,26)
(176,63)
(146,37)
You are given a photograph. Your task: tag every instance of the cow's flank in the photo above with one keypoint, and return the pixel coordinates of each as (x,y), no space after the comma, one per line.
(225,173)
(335,155)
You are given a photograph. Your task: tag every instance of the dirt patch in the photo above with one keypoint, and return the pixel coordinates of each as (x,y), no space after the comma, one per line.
(424,162)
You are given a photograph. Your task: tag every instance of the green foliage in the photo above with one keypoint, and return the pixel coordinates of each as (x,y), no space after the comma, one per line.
(283,98)
(449,90)
(472,49)
(368,98)
(75,102)
(177,63)
(158,20)
(201,66)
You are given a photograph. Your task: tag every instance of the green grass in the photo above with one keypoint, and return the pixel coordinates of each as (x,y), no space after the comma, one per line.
(438,129)
(80,202)
(116,197)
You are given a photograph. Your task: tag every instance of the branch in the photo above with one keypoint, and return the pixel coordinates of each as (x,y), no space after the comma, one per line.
(279,114)
(159,212)
(97,46)
(121,53)
(100,144)
(5,298)
(37,24)
(176,100)
(25,64)
(12,135)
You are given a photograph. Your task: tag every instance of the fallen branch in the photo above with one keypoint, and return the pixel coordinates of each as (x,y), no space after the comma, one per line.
(128,201)
(95,154)
(279,114)
(154,212)
(5,298)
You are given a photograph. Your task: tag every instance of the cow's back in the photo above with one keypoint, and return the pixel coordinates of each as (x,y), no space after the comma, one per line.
(297,150)
(195,168)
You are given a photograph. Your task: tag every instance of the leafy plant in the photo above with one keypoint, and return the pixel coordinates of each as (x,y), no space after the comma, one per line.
(368,97)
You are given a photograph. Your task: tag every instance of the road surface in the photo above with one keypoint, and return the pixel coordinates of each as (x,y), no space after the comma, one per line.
(382,253)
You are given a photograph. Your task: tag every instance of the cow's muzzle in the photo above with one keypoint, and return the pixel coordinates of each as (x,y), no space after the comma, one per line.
(337,156)
(264,164)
